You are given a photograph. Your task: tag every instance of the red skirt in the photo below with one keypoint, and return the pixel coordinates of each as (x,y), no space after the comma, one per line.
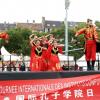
(90,50)
(38,63)
(45,56)
(54,63)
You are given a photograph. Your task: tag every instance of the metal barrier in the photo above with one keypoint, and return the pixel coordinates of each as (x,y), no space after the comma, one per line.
(13,63)
(23,65)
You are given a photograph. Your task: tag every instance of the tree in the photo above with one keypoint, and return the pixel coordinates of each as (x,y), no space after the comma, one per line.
(97,23)
(19,41)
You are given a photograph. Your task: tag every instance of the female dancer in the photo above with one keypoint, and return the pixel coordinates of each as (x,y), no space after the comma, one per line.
(32,38)
(38,62)
(54,63)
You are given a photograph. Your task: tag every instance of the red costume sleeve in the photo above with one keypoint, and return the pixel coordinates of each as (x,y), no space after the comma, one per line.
(81,31)
(95,34)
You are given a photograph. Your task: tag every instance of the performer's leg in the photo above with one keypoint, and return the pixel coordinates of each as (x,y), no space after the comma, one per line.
(93,55)
(88,65)
(88,56)
(93,62)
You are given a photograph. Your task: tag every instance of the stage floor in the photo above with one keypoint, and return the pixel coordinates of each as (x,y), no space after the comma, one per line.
(44,75)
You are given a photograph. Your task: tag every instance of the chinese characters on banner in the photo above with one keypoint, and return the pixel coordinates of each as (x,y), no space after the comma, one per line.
(75,88)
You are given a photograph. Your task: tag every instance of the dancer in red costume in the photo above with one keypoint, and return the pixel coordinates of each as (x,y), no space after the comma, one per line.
(60,46)
(38,62)
(54,63)
(45,44)
(91,37)
(31,38)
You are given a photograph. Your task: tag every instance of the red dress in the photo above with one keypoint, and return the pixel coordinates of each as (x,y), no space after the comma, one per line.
(37,62)
(45,52)
(45,55)
(54,62)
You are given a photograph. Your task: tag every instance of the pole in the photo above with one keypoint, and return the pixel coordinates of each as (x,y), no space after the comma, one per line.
(66,27)
(66,35)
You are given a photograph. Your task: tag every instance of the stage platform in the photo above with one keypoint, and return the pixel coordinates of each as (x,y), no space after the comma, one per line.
(44,75)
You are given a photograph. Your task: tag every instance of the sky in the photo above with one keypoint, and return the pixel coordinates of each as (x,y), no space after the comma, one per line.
(23,10)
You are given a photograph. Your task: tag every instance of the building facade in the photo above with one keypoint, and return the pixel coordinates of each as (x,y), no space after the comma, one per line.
(5,26)
(44,26)
(48,25)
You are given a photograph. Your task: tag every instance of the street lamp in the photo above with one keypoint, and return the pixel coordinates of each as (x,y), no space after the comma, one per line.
(67,2)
